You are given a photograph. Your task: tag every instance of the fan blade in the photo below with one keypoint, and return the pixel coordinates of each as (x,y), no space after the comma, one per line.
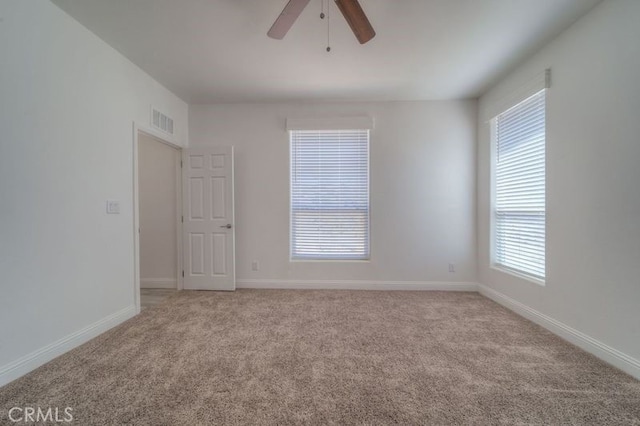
(285,21)
(356,19)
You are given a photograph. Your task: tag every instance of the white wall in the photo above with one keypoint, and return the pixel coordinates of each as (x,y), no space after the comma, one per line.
(593,201)
(158,172)
(422,188)
(67,103)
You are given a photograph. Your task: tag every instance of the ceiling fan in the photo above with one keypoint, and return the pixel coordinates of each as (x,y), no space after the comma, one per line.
(351,10)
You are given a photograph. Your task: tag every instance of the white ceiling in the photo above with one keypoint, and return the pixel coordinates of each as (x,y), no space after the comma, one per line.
(209,51)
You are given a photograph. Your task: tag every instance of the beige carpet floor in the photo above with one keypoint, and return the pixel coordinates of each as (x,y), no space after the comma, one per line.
(329,357)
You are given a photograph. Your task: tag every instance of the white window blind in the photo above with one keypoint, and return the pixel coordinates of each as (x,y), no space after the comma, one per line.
(330,194)
(520,187)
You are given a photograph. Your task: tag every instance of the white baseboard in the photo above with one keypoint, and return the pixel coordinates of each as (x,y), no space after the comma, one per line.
(355,285)
(158,283)
(43,355)
(606,353)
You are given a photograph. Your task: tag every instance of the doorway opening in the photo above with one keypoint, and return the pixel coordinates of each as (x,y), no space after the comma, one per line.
(158,217)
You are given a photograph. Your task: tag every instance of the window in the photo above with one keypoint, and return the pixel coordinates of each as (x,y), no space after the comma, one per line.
(519,187)
(329,194)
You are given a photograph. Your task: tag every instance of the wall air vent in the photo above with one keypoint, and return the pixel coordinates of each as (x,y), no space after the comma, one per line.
(161,121)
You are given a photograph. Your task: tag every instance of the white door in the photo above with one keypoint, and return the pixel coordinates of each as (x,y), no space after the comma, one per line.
(208,230)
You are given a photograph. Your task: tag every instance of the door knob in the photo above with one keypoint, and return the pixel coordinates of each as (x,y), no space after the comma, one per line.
(228,226)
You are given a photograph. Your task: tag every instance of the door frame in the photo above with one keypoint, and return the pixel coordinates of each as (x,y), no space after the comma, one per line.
(158,137)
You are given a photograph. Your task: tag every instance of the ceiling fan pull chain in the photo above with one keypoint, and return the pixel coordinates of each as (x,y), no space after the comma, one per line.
(328,27)
(322,9)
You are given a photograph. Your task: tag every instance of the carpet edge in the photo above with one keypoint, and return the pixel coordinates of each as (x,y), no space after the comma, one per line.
(31,361)
(604,352)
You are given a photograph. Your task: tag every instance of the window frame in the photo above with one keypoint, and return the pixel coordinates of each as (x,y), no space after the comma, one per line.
(297,259)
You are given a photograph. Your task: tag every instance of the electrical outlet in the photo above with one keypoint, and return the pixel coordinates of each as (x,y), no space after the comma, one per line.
(255,265)
(452,267)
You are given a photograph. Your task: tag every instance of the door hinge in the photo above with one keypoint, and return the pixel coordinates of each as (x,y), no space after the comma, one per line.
(182,274)
(180,163)
(182,219)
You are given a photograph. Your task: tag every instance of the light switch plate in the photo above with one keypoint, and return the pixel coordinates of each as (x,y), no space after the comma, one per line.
(113,207)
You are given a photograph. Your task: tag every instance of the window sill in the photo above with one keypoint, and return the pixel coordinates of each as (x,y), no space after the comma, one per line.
(520,275)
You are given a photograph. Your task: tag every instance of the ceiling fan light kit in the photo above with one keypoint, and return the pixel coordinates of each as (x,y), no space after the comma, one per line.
(351,10)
